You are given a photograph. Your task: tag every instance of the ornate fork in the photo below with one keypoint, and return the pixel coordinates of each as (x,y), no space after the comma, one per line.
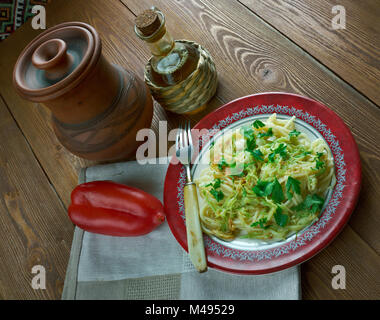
(184,153)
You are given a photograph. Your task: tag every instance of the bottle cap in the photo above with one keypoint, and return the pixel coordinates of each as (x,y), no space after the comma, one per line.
(150,25)
(148,22)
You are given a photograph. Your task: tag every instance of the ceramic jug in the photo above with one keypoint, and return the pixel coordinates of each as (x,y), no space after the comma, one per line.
(97,107)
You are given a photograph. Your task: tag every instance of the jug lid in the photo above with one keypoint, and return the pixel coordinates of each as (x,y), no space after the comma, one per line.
(56,61)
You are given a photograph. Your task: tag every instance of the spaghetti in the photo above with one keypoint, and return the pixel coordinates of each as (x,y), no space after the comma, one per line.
(264,181)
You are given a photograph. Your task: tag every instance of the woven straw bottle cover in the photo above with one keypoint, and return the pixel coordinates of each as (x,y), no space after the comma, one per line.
(191,94)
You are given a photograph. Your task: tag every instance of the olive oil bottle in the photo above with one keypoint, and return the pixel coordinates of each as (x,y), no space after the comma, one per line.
(181,74)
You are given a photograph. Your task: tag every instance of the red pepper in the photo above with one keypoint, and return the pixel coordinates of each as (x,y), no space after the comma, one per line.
(114,209)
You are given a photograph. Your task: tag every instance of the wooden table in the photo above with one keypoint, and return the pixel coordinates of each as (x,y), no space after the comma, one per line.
(258,46)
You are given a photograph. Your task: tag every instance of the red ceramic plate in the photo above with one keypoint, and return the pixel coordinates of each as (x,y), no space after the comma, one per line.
(259,258)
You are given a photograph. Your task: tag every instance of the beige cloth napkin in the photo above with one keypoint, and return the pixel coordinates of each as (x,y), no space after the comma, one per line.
(155,266)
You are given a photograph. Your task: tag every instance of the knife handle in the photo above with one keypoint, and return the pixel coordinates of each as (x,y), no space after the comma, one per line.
(193,228)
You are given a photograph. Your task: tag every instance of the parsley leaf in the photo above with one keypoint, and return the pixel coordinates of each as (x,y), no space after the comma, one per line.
(277,193)
(258,124)
(247,132)
(267,188)
(260,188)
(251,145)
(271,157)
(281,219)
(250,140)
(281,150)
(269,133)
(218,194)
(292,184)
(261,223)
(217,183)
(222,164)
(257,154)
(303,154)
(313,203)
(294,133)
(319,164)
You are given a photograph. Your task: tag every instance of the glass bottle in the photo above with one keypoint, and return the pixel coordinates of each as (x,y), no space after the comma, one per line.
(181,74)
(172,61)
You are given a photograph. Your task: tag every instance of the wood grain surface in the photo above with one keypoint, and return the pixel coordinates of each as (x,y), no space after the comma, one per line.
(34,228)
(251,56)
(352,53)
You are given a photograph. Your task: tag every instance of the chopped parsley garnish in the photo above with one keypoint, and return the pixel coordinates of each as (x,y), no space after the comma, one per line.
(258,124)
(251,143)
(311,203)
(294,133)
(217,183)
(267,188)
(271,157)
(277,193)
(232,164)
(247,132)
(269,133)
(319,164)
(292,184)
(303,154)
(261,188)
(257,154)
(261,223)
(281,150)
(281,219)
(222,164)
(218,194)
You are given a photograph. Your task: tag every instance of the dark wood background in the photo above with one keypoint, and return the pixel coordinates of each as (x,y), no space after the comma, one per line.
(258,46)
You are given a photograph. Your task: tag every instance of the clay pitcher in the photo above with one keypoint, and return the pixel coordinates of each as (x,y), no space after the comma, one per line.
(97,107)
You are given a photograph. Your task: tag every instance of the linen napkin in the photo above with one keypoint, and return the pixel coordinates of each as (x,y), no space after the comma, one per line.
(155,266)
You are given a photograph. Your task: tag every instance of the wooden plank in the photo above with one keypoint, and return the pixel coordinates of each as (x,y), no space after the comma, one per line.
(350,251)
(34,227)
(352,53)
(253,57)
(347,250)
(250,56)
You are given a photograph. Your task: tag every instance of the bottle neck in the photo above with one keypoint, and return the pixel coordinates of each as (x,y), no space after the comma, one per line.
(162,46)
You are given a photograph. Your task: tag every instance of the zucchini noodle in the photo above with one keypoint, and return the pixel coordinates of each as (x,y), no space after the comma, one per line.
(264,181)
